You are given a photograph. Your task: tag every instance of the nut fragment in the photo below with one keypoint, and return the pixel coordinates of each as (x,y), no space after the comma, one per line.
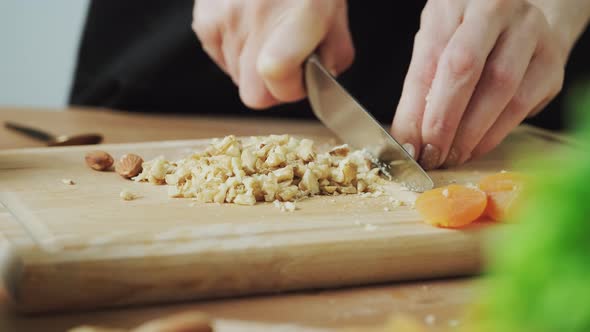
(130,165)
(68,182)
(126,195)
(99,160)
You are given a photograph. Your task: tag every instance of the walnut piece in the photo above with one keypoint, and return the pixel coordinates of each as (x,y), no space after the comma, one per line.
(126,195)
(271,168)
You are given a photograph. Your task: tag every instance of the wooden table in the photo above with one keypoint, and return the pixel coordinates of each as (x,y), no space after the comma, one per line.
(441,301)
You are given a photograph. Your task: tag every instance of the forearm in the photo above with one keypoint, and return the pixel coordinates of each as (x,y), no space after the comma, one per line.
(568,18)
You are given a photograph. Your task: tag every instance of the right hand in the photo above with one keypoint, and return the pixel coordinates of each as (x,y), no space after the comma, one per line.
(263,44)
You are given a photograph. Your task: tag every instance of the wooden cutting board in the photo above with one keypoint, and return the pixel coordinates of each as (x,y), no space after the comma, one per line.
(81,246)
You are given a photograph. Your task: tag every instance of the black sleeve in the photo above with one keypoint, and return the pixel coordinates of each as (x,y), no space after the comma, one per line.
(141,55)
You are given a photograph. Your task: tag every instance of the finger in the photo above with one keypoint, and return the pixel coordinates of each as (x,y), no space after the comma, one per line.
(253,91)
(337,50)
(293,39)
(458,72)
(208,31)
(232,49)
(435,31)
(502,75)
(537,88)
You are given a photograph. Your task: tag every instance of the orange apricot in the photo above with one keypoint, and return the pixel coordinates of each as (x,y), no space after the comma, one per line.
(503,191)
(453,206)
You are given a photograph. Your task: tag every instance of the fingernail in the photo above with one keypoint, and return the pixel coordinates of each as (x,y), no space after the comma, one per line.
(410,149)
(453,158)
(333,72)
(430,158)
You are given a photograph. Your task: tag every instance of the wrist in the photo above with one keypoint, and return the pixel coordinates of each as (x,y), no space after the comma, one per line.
(567,19)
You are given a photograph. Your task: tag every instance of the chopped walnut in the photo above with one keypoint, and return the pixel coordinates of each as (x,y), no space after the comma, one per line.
(126,195)
(285,206)
(69,182)
(264,169)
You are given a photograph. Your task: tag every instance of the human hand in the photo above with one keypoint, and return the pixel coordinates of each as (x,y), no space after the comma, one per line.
(478,69)
(262,44)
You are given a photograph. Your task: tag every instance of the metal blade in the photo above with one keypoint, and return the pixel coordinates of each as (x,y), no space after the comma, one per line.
(342,114)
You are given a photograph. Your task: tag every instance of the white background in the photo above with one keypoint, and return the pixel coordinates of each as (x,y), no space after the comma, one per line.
(38,44)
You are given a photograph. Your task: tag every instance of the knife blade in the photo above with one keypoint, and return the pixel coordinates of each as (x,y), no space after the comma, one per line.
(350,122)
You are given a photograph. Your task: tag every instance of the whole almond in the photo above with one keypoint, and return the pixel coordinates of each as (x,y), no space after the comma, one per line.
(129,165)
(99,160)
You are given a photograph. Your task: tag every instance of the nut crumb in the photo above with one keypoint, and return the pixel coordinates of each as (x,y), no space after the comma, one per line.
(69,182)
(430,320)
(396,202)
(386,209)
(445,193)
(453,323)
(126,195)
(370,227)
(285,206)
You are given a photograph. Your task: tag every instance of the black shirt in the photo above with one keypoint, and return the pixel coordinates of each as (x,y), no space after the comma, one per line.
(141,55)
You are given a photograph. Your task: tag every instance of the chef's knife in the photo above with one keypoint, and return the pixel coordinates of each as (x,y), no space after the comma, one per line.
(350,122)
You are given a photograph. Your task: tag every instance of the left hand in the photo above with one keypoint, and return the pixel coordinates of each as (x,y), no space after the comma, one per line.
(478,69)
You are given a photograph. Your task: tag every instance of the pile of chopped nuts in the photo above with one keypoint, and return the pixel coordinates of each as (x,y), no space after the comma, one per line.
(264,169)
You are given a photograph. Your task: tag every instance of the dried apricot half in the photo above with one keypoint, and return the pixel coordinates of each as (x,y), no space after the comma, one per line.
(453,206)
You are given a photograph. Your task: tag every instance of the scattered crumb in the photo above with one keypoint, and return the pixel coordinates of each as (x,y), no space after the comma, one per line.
(357,222)
(445,192)
(396,202)
(192,204)
(126,195)
(453,323)
(430,319)
(333,200)
(386,209)
(69,182)
(503,171)
(285,206)
(471,185)
(370,227)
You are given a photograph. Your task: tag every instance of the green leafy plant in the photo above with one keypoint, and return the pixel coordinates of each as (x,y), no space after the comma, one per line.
(539,277)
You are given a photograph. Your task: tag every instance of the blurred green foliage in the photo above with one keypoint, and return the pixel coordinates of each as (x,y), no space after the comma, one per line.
(539,277)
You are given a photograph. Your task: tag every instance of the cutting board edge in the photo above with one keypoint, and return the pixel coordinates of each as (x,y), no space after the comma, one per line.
(40,284)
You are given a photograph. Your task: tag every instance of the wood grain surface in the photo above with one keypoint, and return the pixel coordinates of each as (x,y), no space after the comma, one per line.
(306,311)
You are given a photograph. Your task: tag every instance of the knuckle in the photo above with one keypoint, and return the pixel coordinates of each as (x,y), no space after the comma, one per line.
(232,17)
(520,104)
(559,82)
(257,101)
(439,127)
(347,57)
(426,70)
(204,30)
(462,63)
(502,77)
(495,7)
